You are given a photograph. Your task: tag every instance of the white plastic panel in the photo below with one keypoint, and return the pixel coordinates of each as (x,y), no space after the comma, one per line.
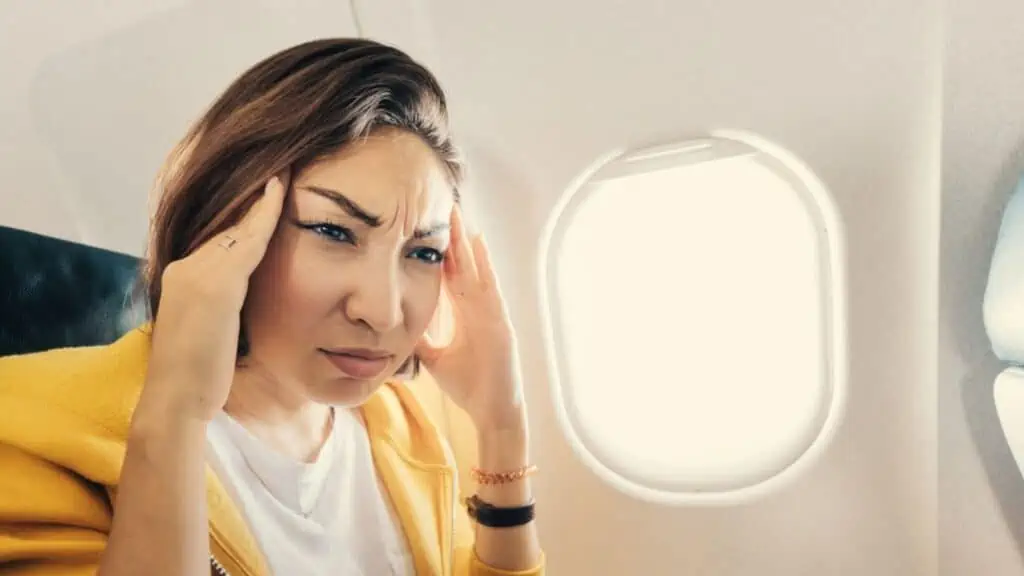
(695,300)
(108,108)
(1008,392)
(1003,307)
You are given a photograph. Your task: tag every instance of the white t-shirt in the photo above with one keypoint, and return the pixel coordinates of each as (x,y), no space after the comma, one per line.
(331,516)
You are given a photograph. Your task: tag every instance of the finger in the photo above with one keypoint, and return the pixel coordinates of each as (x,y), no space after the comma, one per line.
(247,241)
(428,351)
(261,221)
(488,275)
(462,269)
(484,267)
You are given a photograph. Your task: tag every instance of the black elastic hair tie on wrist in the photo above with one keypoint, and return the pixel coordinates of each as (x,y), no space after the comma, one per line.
(498,517)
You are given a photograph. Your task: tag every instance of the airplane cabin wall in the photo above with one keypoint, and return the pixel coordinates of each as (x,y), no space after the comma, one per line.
(539,90)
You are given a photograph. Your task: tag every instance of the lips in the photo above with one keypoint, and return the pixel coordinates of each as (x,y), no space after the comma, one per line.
(360,364)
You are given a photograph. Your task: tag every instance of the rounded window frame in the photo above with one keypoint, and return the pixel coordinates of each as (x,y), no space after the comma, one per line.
(829,229)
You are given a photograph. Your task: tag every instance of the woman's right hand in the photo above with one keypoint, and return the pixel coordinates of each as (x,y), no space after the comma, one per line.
(195,334)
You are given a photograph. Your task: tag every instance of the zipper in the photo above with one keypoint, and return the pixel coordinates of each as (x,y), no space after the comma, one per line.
(217,568)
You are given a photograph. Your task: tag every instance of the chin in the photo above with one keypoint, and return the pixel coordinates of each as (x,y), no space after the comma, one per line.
(344,391)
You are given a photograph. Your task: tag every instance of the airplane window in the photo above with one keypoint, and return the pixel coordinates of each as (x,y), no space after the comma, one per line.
(694,297)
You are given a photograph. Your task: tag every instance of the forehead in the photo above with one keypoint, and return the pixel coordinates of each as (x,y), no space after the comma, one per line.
(388,173)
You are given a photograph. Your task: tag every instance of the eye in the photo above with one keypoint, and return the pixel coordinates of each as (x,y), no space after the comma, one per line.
(332,232)
(428,255)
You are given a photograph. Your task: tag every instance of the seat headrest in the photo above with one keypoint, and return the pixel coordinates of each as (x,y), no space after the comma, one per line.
(1003,307)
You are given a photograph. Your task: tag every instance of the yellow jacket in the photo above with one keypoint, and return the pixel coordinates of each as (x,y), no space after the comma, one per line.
(64,418)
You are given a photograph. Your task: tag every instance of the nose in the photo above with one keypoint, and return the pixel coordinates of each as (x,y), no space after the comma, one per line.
(376,298)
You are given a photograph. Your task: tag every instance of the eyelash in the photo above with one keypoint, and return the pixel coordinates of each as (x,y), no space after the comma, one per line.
(337,233)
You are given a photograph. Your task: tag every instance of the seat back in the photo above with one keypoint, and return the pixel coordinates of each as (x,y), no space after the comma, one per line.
(55,293)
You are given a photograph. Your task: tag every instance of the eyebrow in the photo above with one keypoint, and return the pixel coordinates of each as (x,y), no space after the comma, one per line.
(361,214)
(353,209)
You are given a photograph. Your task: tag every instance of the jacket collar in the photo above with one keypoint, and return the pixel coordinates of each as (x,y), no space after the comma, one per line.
(94,390)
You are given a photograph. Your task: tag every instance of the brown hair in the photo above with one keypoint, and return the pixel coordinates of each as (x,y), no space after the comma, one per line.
(288,111)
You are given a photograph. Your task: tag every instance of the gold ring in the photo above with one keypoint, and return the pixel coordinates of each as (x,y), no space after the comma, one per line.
(228,242)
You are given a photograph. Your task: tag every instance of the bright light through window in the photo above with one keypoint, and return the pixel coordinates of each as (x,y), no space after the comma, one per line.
(693,305)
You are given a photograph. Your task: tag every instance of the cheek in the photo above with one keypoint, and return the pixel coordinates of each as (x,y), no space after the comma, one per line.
(315,285)
(290,289)
(421,302)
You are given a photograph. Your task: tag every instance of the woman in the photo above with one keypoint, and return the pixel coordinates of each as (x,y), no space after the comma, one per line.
(306,227)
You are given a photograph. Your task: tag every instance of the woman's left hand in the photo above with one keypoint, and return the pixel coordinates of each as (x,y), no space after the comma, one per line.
(479,368)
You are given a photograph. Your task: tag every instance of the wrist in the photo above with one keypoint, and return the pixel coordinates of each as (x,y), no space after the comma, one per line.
(173,396)
(507,423)
(162,416)
(147,424)
(154,439)
(503,448)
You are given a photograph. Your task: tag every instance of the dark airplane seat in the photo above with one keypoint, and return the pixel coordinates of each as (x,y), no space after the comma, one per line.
(55,293)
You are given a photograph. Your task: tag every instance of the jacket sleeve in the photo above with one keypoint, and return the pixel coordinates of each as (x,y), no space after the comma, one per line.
(52,522)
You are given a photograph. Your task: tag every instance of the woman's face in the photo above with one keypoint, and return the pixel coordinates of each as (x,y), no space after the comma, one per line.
(352,276)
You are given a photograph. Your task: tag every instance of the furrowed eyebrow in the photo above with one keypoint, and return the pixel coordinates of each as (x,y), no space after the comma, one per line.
(363,215)
(346,204)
